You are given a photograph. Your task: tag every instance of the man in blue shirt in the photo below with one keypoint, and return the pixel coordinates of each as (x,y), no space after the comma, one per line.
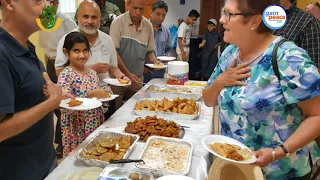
(26,119)
(162,38)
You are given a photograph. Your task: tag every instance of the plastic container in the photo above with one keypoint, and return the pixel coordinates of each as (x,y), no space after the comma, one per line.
(177,72)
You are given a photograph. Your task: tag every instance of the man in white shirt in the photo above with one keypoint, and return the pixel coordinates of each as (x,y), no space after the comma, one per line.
(103,58)
(184,34)
(49,41)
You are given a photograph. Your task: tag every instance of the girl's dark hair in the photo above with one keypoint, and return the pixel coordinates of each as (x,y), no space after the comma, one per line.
(256,7)
(73,38)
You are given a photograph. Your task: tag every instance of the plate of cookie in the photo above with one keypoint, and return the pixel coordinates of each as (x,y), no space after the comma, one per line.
(228,149)
(80,104)
(117,82)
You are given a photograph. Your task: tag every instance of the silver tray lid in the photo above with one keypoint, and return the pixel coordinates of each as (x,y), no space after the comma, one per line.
(101,135)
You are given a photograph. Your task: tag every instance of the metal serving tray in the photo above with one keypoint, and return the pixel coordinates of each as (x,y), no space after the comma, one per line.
(102,135)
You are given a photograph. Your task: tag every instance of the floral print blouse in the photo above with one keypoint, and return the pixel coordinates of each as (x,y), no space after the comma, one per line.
(264,113)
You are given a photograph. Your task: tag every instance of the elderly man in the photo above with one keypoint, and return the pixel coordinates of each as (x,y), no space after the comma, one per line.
(26,119)
(162,38)
(302,28)
(133,37)
(108,12)
(49,41)
(103,57)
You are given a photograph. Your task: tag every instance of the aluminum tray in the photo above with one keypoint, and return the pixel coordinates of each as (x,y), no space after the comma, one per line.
(196,92)
(110,172)
(160,172)
(166,115)
(101,135)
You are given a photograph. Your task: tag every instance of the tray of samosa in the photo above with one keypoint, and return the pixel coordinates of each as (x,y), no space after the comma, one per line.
(178,108)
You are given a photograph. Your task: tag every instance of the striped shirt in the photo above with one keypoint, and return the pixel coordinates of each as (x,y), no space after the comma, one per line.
(162,39)
(303,29)
(132,45)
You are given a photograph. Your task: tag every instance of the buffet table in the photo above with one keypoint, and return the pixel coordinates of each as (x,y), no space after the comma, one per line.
(199,128)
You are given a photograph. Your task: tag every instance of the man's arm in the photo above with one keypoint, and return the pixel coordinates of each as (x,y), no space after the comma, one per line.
(310,41)
(18,122)
(116,10)
(152,58)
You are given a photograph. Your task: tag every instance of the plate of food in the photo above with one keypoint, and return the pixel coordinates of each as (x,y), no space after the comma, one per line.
(117,82)
(102,95)
(228,149)
(166,58)
(80,104)
(157,65)
(153,126)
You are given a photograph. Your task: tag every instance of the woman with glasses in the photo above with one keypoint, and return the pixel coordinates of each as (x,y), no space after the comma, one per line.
(278,118)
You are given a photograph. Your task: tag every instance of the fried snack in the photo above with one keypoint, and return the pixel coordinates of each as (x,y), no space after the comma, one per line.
(74,102)
(123,81)
(231,151)
(152,126)
(108,149)
(181,106)
(158,64)
(99,93)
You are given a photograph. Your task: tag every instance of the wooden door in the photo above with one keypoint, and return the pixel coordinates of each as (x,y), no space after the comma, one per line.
(148,8)
(209,9)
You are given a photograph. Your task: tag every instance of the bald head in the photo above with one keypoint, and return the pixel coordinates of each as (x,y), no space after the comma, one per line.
(89,16)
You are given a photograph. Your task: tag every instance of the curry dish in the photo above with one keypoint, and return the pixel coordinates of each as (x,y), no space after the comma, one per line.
(152,126)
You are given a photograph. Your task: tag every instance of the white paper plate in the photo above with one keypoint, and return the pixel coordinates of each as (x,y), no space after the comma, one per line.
(175,177)
(166,58)
(86,105)
(113,96)
(156,67)
(115,82)
(224,139)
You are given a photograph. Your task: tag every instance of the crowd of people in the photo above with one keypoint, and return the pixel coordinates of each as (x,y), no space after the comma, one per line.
(277,116)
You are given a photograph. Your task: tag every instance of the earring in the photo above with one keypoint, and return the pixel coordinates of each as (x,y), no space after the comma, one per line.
(252,29)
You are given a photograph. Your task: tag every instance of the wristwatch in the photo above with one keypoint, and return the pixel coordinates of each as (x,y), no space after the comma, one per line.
(286,153)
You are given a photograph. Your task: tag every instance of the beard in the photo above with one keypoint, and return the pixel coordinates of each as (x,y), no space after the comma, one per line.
(89,29)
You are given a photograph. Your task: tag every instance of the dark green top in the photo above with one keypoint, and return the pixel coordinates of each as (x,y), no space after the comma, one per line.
(107,11)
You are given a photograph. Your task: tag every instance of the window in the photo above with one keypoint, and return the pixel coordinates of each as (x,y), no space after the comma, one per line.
(67,6)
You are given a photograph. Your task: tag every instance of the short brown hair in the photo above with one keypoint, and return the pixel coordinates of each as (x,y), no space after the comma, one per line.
(257,7)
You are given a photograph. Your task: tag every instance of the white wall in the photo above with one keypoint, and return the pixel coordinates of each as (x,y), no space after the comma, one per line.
(177,11)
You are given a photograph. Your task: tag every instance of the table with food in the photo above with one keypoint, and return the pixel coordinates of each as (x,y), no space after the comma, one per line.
(156,133)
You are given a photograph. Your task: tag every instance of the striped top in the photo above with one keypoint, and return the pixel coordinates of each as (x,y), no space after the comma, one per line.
(132,45)
(162,39)
(304,30)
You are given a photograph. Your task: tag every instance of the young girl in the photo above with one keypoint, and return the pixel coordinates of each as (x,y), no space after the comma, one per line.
(79,81)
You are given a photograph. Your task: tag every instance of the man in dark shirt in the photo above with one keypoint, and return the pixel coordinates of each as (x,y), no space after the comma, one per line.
(26,124)
(302,28)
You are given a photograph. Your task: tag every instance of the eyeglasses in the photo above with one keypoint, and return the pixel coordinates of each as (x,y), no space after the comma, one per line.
(227,15)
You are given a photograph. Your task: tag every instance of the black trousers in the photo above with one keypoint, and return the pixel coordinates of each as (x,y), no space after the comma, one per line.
(52,74)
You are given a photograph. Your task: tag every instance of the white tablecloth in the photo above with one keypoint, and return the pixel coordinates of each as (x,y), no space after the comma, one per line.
(199,128)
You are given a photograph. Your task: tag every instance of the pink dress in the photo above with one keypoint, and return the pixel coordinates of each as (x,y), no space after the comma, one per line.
(77,125)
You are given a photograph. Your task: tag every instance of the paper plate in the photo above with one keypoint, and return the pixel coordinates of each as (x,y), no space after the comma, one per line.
(224,139)
(113,96)
(86,105)
(156,67)
(115,82)
(166,58)
(175,177)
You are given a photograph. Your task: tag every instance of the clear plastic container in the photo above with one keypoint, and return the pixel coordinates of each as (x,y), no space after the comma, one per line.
(115,173)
